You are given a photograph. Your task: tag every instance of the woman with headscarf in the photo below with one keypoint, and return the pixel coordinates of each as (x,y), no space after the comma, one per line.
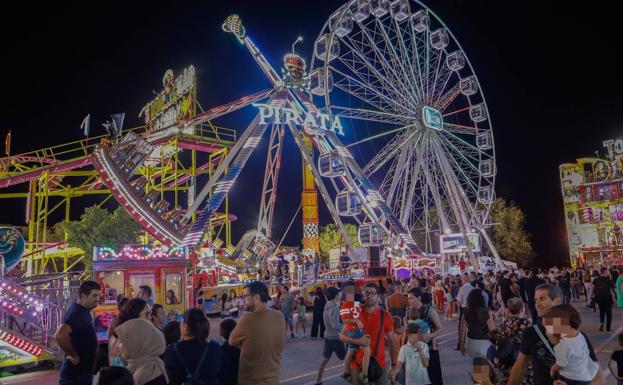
(317,320)
(141,344)
(132,309)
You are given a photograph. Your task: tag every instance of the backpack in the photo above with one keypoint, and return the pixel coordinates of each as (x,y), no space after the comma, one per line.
(424,322)
(192,379)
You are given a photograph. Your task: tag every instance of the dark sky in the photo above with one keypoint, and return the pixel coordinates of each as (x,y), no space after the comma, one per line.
(550,73)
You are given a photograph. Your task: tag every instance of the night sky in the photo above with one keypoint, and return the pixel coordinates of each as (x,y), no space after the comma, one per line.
(550,75)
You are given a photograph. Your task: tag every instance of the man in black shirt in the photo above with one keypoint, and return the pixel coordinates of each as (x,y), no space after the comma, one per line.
(603,291)
(76,336)
(530,285)
(505,287)
(533,348)
(564,282)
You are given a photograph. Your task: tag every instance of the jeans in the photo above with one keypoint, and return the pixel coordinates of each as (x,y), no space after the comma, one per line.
(575,291)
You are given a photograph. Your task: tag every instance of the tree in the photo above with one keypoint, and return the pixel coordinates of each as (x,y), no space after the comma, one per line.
(330,238)
(510,238)
(100,227)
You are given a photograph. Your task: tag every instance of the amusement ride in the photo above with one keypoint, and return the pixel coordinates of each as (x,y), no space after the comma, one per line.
(420,202)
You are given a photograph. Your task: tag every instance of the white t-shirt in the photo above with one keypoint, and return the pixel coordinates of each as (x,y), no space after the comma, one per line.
(415,372)
(463,293)
(573,356)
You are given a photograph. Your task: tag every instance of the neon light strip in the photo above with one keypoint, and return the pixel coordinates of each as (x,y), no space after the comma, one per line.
(149,219)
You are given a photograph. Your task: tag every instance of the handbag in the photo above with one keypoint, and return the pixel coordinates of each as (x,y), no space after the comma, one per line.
(374,369)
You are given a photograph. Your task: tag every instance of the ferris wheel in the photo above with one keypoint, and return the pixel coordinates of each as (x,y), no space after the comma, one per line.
(395,67)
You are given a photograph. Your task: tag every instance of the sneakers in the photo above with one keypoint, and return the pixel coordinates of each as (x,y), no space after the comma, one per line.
(292,335)
(601,327)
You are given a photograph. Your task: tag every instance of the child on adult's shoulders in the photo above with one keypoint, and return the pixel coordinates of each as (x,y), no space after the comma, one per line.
(573,362)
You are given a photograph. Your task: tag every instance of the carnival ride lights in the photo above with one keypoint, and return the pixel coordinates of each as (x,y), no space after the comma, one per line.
(141,252)
(115,163)
(435,161)
(358,192)
(17,301)
(395,65)
(20,343)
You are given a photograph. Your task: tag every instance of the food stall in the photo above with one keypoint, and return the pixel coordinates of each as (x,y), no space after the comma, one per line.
(121,273)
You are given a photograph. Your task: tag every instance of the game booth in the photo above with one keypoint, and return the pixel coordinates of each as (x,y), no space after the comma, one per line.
(121,273)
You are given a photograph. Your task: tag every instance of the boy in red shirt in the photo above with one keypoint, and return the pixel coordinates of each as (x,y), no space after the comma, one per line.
(350,313)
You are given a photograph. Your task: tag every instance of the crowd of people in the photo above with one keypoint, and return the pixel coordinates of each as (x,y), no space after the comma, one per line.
(518,327)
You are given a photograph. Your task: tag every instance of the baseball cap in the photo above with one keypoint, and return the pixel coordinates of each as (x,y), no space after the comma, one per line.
(332,292)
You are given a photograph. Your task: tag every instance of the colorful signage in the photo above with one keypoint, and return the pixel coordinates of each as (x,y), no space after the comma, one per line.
(592,189)
(455,243)
(174,103)
(311,121)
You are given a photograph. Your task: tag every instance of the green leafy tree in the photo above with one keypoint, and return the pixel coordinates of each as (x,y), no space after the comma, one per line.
(509,237)
(330,238)
(100,227)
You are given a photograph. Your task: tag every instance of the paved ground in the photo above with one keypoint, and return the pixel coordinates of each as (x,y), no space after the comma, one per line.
(301,356)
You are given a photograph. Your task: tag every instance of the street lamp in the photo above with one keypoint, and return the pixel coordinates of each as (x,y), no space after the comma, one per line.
(298,39)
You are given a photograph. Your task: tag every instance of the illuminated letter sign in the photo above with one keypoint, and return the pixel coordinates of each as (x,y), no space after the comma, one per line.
(313,122)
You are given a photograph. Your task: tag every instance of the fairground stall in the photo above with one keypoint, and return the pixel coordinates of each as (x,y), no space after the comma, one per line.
(592,189)
(120,274)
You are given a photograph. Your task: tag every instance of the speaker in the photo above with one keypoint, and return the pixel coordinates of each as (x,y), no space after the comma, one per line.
(377,271)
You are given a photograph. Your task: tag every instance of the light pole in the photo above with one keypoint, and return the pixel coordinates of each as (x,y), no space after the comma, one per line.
(298,39)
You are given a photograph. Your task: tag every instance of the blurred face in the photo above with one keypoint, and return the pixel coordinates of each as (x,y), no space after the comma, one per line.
(146,313)
(543,302)
(250,300)
(90,301)
(159,316)
(371,297)
(557,326)
(414,301)
(414,338)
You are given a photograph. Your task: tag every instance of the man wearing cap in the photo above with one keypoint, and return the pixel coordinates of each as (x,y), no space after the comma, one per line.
(332,343)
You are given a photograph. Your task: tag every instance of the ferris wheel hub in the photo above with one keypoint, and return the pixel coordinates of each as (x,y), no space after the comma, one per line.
(432,118)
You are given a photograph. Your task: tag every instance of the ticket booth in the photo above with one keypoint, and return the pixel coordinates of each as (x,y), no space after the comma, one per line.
(121,273)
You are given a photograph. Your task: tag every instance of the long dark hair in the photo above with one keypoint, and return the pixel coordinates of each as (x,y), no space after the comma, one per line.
(475,301)
(197,324)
